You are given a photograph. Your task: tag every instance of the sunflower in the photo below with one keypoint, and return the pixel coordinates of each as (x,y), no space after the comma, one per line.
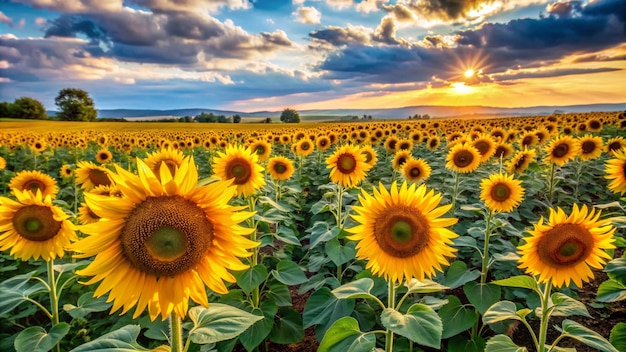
(521,160)
(562,149)
(433,143)
(86,215)
(304,147)
(528,139)
(33,181)
(463,158)
(322,143)
(501,192)
(103,156)
(563,249)
(90,175)
(391,144)
(262,149)
(163,241)
(486,146)
(614,144)
(67,171)
(405,144)
(172,158)
(348,166)
(415,170)
(594,125)
(503,150)
(33,227)
(615,171)
(3,163)
(370,154)
(241,165)
(280,168)
(400,232)
(39,145)
(401,156)
(590,147)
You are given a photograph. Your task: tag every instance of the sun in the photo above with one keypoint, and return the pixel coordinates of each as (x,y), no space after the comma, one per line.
(469,73)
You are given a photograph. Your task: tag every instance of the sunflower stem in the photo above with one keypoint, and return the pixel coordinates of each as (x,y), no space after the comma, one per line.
(176,332)
(485,256)
(391,303)
(455,191)
(54,300)
(545,316)
(551,184)
(339,204)
(255,252)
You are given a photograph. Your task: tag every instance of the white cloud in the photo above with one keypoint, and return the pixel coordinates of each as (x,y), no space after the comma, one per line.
(40,21)
(307,14)
(5,19)
(339,4)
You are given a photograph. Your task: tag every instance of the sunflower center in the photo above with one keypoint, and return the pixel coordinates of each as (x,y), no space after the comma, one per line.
(463,158)
(615,146)
(346,163)
(402,231)
(483,147)
(415,172)
(588,147)
(260,150)
(305,146)
(500,192)
(560,150)
(240,170)
(165,236)
(368,156)
(280,168)
(99,177)
(34,185)
(36,223)
(565,245)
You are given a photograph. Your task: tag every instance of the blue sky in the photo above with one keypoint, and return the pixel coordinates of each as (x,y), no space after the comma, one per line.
(268,55)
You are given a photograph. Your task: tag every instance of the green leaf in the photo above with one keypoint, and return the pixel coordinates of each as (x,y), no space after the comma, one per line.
(280,294)
(251,278)
(289,273)
(455,317)
(272,204)
(565,306)
(345,336)
(587,336)
(616,269)
(256,333)
(482,296)
(323,308)
(287,235)
(523,281)
(611,291)
(618,336)
(15,290)
(458,275)
(37,339)
(502,343)
(503,310)
(461,343)
(321,232)
(355,289)
(421,324)
(87,303)
(219,322)
(121,340)
(340,254)
(287,327)
(426,286)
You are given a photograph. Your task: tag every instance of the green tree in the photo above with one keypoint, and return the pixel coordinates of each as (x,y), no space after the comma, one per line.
(6,109)
(290,116)
(236,118)
(28,108)
(75,105)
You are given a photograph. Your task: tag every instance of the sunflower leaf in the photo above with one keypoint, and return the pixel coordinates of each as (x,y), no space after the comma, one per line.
(345,336)
(87,303)
(616,269)
(585,335)
(15,290)
(564,305)
(323,308)
(287,327)
(503,310)
(37,339)
(426,286)
(251,278)
(523,281)
(503,343)
(618,336)
(455,317)
(458,275)
(256,333)
(121,340)
(421,324)
(355,289)
(611,291)
(340,254)
(482,296)
(289,273)
(219,322)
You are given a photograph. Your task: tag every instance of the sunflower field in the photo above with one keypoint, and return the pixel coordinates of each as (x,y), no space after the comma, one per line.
(499,234)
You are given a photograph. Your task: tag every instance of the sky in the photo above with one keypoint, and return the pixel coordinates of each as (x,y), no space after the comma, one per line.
(255,55)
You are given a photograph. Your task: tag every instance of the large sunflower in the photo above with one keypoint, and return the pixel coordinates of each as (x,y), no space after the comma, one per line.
(415,170)
(463,158)
(615,171)
(563,249)
(348,166)
(280,168)
(241,165)
(90,175)
(562,149)
(590,147)
(33,227)
(163,241)
(33,181)
(501,192)
(401,233)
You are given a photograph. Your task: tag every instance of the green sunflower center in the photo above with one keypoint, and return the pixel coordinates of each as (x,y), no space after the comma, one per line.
(239,169)
(260,150)
(560,150)
(99,177)
(402,231)
(36,223)
(346,163)
(565,245)
(500,192)
(463,158)
(166,236)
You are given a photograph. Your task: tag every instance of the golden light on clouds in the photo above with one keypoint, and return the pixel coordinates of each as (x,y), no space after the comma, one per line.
(469,73)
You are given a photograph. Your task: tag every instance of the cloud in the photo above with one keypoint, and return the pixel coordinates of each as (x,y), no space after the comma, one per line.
(5,19)
(564,9)
(308,15)
(339,36)
(339,4)
(557,72)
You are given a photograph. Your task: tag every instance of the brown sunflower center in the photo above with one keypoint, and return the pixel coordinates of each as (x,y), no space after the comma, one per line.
(305,146)
(483,147)
(36,223)
(99,177)
(165,236)
(565,245)
(104,156)
(433,143)
(463,158)
(560,150)
(240,170)
(346,163)
(615,146)
(280,168)
(34,185)
(588,147)
(415,172)
(500,192)
(595,124)
(528,140)
(402,231)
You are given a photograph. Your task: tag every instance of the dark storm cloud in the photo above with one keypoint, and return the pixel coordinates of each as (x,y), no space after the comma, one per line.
(444,10)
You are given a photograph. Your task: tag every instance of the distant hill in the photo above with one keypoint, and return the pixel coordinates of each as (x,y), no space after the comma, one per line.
(390,113)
